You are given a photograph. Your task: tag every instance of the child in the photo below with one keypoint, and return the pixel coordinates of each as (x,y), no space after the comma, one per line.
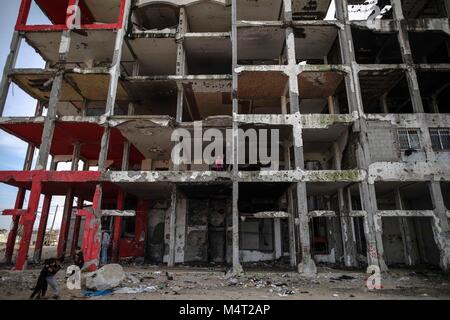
(41,286)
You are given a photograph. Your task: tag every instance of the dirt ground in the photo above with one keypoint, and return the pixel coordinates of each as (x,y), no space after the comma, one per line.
(161,283)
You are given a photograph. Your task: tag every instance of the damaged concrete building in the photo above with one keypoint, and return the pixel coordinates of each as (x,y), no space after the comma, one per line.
(360,105)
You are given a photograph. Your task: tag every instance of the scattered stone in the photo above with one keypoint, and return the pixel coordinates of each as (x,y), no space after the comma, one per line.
(132,279)
(231,282)
(108,277)
(343,277)
(140,289)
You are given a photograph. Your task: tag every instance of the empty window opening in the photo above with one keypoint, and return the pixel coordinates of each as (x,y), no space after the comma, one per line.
(424,9)
(376,48)
(261,46)
(317,45)
(385,91)
(403,196)
(319,235)
(409,241)
(445,188)
(430,47)
(434,90)
(156,17)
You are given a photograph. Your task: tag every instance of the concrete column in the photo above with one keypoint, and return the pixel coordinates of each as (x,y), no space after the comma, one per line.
(408,246)
(440,224)
(292,238)
(181,61)
(114,71)
(372,227)
(383,102)
(43,223)
(76,228)
(121,196)
(331,106)
(113,83)
(278,253)
(291,219)
(172,227)
(407,57)
(50,119)
(434,104)
(307,265)
(349,243)
(372,223)
(9,65)
(68,207)
(237,267)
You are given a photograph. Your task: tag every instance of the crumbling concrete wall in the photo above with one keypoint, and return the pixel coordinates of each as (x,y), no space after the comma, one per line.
(196,231)
(180,231)
(383,141)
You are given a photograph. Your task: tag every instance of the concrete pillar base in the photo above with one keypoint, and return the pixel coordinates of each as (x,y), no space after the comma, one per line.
(307,267)
(237,269)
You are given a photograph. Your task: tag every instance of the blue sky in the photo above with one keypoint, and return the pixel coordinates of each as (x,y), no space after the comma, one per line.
(12,150)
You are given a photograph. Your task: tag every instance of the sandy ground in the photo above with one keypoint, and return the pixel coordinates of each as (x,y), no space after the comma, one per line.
(262,283)
(211,283)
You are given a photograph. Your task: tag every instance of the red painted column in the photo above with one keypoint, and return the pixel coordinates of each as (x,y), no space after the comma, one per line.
(65,224)
(24,11)
(117,227)
(27,221)
(76,229)
(92,233)
(11,242)
(42,228)
(91,239)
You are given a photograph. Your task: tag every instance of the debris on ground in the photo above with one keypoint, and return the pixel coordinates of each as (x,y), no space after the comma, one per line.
(150,282)
(132,279)
(169,276)
(140,289)
(98,293)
